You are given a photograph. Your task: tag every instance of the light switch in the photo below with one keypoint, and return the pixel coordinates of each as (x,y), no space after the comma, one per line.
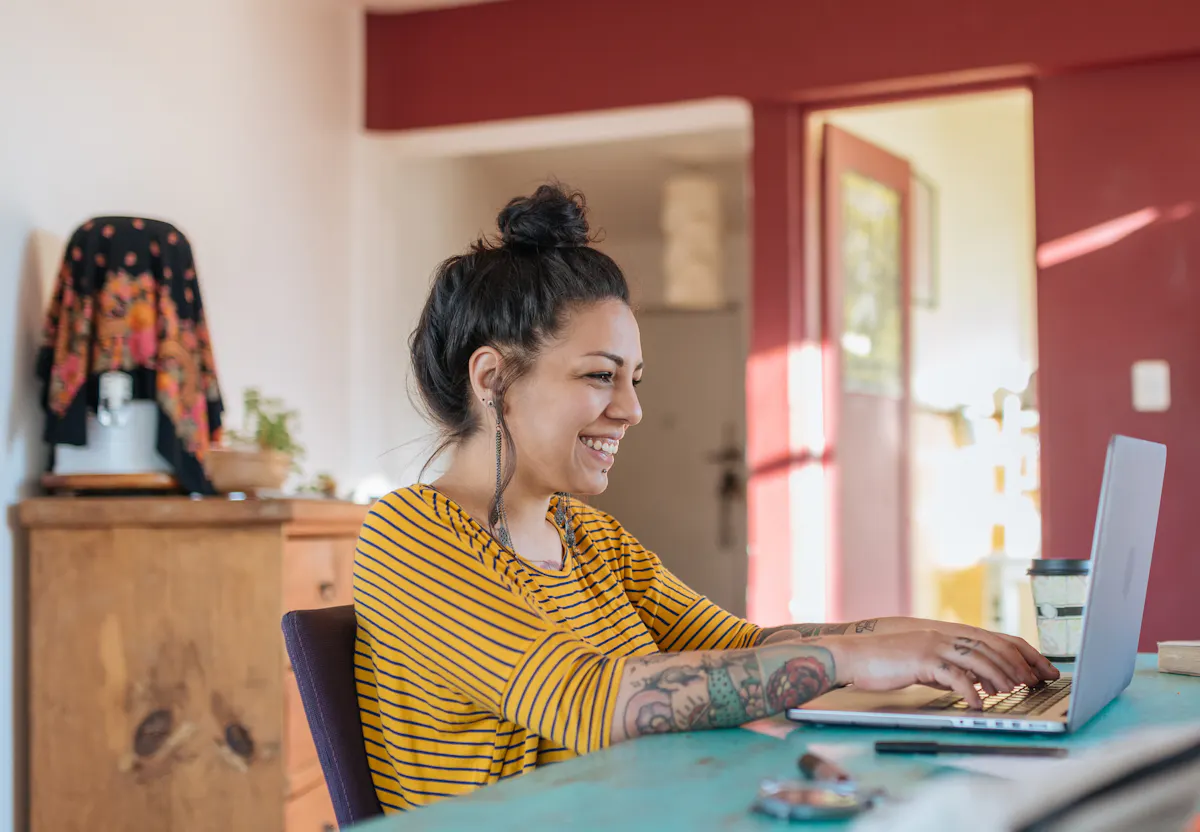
(1151,386)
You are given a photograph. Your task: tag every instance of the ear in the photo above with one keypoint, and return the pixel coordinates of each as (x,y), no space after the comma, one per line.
(483,369)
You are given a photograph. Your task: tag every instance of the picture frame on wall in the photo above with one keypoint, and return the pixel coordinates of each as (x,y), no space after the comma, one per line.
(925,277)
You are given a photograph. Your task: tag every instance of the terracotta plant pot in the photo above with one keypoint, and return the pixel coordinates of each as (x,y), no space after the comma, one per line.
(231,469)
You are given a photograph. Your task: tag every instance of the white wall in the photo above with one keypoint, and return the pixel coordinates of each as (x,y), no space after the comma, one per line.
(236,120)
(978,150)
(413,214)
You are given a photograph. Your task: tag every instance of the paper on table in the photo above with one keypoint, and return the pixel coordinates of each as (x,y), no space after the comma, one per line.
(839,752)
(995,804)
(772,726)
(1007,768)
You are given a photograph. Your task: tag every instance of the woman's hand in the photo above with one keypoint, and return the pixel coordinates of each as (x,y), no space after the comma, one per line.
(936,658)
(1014,656)
(998,642)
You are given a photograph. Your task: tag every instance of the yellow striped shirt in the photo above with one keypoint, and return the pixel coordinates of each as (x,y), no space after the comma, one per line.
(474,666)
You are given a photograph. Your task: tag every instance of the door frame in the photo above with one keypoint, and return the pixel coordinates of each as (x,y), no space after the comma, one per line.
(788,487)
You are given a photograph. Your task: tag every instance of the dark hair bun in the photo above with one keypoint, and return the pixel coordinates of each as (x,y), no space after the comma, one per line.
(550,218)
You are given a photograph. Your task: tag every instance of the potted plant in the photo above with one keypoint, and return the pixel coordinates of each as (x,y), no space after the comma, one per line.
(260,456)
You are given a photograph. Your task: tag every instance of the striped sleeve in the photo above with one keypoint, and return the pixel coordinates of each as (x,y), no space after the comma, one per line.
(677,616)
(426,594)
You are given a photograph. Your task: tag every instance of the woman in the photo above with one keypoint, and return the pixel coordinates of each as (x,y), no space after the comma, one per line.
(504,623)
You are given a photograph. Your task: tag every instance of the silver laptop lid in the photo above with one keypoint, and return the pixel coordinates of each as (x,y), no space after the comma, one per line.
(1122,545)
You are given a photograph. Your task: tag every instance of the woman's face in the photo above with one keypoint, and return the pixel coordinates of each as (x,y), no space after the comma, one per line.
(568,414)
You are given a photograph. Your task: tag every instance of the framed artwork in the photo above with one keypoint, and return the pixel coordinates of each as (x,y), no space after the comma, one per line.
(925,277)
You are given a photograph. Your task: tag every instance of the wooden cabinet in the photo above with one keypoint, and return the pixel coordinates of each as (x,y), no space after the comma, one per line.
(160,695)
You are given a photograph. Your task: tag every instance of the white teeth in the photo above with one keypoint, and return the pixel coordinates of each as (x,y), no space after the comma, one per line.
(603,445)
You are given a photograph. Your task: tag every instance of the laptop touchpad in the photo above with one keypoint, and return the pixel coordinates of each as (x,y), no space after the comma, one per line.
(852,699)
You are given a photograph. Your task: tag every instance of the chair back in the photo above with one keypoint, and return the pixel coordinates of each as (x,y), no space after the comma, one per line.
(321,644)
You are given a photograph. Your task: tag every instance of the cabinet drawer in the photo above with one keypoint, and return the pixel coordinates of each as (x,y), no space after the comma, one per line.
(316,573)
(310,812)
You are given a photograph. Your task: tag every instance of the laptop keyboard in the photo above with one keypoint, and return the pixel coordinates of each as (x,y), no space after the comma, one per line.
(1024,701)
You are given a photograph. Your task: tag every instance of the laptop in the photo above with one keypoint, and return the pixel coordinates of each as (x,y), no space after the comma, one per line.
(1122,545)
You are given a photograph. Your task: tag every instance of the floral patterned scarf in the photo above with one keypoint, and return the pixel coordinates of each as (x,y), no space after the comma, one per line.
(128,299)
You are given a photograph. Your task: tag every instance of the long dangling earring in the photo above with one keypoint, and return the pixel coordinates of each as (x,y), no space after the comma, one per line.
(563,517)
(501,519)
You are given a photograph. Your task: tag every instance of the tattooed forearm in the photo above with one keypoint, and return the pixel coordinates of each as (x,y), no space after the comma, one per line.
(791,632)
(717,688)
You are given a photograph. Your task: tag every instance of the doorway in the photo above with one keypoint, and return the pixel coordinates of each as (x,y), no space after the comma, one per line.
(928,287)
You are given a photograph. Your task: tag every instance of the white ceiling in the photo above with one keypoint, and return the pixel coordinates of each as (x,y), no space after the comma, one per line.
(619,158)
(575,129)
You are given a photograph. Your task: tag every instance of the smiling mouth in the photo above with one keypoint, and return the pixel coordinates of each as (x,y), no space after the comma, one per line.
(605,449)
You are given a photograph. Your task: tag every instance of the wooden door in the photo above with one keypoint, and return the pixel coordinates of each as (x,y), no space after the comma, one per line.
(865,221)
(678,481)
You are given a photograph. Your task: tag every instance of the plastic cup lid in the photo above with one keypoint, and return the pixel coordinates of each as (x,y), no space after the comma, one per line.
(1060,566)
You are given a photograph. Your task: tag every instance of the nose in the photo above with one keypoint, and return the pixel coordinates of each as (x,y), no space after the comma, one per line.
(625,406)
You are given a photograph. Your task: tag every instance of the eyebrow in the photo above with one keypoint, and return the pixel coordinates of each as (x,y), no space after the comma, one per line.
(616,359)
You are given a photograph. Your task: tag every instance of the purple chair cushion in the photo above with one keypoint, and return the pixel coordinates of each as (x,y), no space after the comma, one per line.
(321,645)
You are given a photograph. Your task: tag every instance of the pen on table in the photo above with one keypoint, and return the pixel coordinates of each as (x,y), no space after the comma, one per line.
(818,768)
(903,747)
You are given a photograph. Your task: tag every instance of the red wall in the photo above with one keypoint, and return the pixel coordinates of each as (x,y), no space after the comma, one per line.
(1108,144)
(777,310)
(535,57)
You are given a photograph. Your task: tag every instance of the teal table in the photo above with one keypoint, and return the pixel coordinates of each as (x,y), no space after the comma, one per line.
(706,780)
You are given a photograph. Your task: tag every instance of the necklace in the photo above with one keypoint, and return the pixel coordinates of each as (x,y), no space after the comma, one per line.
(562,521)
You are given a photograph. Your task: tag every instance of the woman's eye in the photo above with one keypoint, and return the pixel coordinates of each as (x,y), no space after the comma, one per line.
(636,382)
(604,377)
